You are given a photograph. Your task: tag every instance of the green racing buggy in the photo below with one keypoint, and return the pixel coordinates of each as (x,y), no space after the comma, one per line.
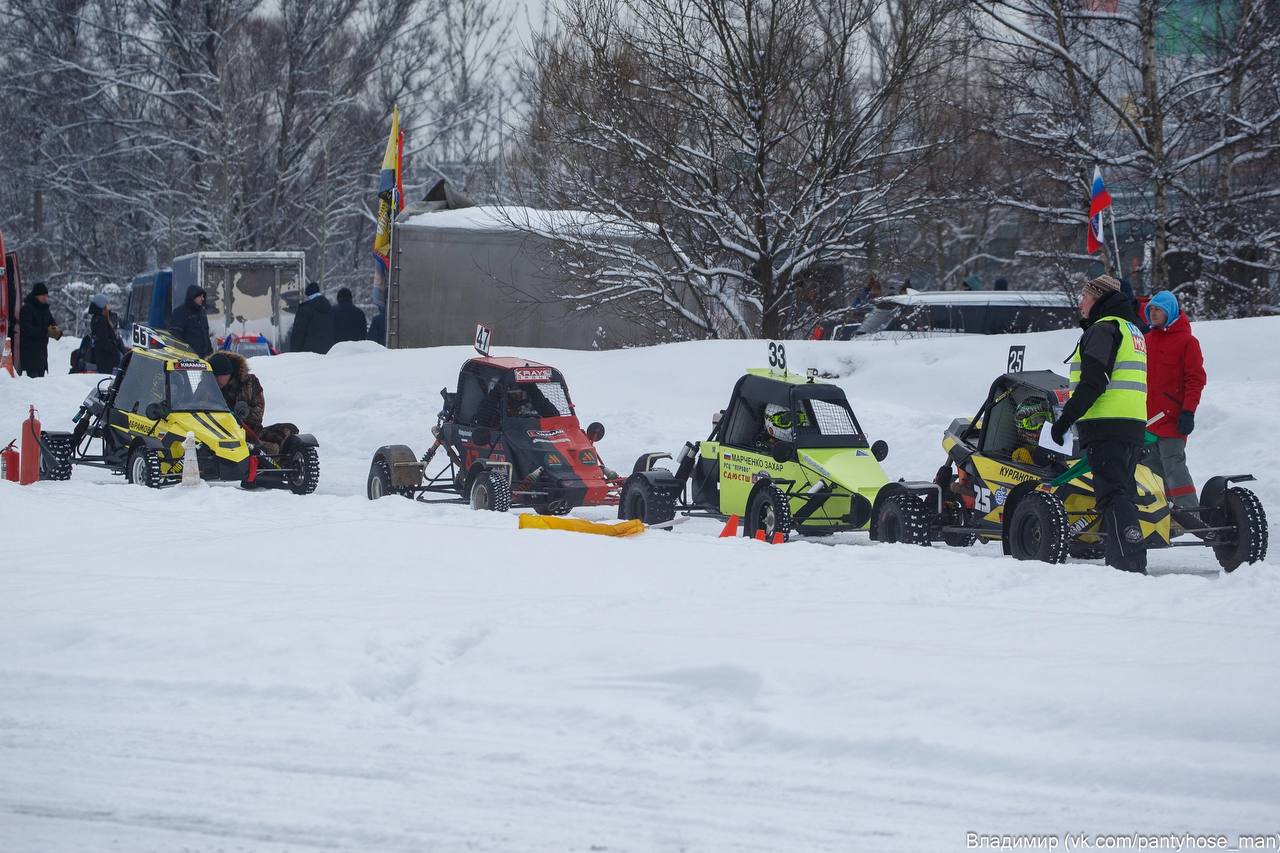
(787,455)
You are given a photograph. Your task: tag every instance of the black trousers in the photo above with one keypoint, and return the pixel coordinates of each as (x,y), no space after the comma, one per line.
(1113,463)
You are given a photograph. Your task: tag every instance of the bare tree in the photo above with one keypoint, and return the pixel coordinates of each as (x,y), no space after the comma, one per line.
(149,128)
(1182,113)
(757,142)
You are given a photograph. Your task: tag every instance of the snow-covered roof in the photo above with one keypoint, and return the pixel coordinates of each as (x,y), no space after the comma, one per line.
(981,297)
(245,256)
(515,219)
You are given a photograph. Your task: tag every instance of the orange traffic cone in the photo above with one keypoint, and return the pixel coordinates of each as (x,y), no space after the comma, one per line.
(777,537)
(730,527)
(760,535)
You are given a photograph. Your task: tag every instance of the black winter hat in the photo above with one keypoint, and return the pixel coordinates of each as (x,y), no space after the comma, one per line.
(313,287)
(221,364)
(39,289)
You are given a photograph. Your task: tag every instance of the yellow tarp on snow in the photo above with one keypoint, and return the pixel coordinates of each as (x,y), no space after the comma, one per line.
(580,525)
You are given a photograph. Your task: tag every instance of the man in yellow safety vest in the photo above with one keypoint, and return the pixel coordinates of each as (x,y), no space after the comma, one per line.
(1108,407)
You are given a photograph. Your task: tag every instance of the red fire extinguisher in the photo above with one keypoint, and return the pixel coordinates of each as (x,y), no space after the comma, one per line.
(29,466)
(9,462)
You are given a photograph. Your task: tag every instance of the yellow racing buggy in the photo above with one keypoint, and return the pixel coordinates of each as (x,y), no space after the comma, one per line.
(787,455)
(1039,503)
(140,417)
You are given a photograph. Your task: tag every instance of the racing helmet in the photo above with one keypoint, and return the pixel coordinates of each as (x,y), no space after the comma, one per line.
(1030,416)
(779,422)
(517,400)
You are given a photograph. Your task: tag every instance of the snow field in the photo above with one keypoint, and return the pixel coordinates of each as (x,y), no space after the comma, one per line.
(220,670)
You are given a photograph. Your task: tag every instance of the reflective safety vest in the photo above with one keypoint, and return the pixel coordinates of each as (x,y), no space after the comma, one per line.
(1126,394)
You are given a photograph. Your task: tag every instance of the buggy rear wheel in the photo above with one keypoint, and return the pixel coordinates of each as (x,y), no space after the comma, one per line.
(959,540)
(903,519)
(641,499)
(305,476)
(144,467)
(769,510)
(55,456)
(1242,510)
(1038,529)
(379,485)
(491,491)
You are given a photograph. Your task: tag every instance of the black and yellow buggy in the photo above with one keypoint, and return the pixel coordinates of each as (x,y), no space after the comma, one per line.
(140,417)
(1043,508)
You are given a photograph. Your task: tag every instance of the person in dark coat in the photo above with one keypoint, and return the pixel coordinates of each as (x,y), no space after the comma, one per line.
(348,321)
(191,323)
(107,347)
(313,327)
(1109,406)
(378,328)
(35,328)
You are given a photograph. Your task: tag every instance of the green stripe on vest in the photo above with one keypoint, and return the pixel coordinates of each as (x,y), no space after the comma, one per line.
(1126,394)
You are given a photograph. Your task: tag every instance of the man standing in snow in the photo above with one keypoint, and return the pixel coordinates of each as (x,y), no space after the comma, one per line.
(313,327)
(190,322)
(1175,373)
(348,320)
(35,328)
(1109,406)
(105,348)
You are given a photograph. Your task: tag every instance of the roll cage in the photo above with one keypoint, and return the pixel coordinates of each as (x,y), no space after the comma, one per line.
(992,430)
(830,419)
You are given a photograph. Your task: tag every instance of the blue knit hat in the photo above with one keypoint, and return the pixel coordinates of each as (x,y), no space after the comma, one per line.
(1166,302)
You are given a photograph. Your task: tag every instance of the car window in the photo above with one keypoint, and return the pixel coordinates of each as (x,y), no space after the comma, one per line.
(743,423)
(136,309)
(470,395)
(143,384)
(969,318)
(829,418)
(537,400)
(195,391)
(879,319)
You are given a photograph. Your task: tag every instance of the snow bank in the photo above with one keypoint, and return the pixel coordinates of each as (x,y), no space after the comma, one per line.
(221,670)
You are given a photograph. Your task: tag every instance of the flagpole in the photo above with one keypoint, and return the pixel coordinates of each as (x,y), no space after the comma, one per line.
(1116,242)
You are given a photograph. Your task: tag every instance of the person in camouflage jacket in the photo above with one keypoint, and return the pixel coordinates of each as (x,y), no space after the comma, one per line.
(239,385)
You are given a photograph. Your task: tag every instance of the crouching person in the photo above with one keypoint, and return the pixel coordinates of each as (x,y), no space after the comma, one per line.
(243,394)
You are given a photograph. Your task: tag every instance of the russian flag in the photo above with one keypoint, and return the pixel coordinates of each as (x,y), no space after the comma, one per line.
(1099,200)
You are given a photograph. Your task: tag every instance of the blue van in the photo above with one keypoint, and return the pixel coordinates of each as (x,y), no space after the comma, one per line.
(147,301)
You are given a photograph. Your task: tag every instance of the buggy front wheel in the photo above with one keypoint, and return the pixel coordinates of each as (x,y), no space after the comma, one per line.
(144,467)
(1038,529)
(490,490)
(770,511)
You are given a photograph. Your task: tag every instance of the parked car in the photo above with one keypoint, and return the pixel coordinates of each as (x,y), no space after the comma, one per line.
(962,312)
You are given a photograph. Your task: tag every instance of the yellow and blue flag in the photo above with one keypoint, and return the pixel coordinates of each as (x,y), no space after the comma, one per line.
(390,195)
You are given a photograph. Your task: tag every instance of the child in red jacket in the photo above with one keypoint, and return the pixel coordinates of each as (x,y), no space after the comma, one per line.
(1175,378)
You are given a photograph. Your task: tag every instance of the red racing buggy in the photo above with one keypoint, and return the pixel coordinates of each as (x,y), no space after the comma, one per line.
(509,436)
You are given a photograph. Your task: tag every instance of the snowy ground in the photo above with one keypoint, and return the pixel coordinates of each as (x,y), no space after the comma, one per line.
(228,671)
